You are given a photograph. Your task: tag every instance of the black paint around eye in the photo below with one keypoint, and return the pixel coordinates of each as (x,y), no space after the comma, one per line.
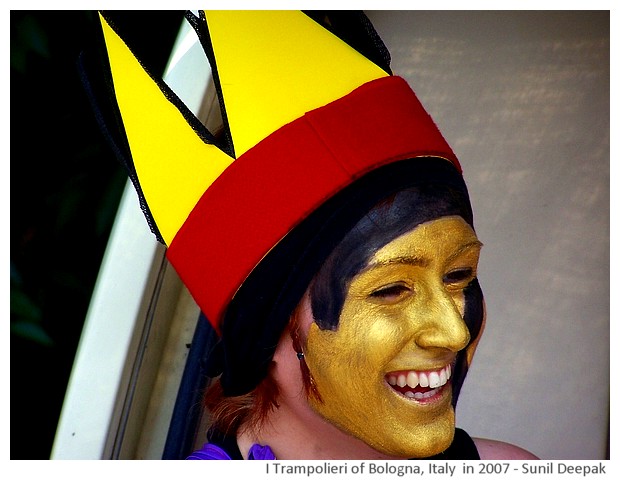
(458,275)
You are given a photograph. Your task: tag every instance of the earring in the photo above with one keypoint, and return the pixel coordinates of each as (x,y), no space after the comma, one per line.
(300,355)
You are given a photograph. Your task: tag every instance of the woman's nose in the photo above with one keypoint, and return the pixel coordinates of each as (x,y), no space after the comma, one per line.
(440,323)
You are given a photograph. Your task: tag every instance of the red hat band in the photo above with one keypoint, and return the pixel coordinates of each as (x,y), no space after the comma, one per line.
(269,189)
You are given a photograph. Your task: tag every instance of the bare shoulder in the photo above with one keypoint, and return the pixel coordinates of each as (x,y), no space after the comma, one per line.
(496,450)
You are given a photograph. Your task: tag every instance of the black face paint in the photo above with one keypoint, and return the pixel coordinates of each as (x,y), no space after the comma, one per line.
(393,217)
(474,318)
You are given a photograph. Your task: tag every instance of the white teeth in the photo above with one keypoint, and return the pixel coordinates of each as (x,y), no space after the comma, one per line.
(433,380)
(412,379)
(428,394)
(443,377)
(419,395)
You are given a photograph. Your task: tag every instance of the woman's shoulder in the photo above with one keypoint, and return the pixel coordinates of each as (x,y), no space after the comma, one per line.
(496,450)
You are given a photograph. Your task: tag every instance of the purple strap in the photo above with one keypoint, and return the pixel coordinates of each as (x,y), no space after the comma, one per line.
(260,452)
(210,451)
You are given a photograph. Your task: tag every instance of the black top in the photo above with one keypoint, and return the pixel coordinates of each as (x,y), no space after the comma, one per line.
(462,448)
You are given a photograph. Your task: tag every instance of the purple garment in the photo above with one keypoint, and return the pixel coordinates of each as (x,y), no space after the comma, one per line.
(260,452)
(210,451)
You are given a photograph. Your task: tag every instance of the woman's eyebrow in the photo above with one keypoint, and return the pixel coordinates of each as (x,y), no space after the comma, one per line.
(418,261)
(474,243)
(401,260)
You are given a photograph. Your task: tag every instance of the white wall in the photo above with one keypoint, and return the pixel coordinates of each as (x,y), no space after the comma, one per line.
(523,99)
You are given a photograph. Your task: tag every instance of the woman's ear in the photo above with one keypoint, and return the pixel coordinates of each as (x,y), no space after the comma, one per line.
(289,357)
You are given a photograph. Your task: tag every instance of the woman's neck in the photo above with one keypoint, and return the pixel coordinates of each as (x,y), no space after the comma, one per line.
(295,435)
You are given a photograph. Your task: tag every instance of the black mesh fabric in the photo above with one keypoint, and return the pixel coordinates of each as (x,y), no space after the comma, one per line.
(150,36)
(354,28)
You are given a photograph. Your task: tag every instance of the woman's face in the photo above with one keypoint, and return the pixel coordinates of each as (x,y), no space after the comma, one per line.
(384,374)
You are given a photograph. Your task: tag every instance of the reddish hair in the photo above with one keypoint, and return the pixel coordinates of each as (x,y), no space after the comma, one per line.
(251,410)
(227,414)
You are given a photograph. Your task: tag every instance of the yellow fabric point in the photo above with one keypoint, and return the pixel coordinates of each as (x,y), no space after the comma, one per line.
(274,66)
(173,164)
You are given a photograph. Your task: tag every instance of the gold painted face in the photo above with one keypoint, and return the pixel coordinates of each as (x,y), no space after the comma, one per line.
(384,373)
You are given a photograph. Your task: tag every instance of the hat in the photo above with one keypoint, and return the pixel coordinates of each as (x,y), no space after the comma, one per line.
(307,120)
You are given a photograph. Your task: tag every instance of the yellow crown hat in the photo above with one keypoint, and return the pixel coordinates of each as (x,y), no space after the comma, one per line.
(305,116)
(271,66)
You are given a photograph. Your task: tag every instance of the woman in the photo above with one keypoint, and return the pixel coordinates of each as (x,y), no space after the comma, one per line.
(328,238)
(375,353)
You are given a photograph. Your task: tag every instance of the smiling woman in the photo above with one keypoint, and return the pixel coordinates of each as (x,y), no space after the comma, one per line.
(372,265)
(377,350)
(413,332)
(327,236)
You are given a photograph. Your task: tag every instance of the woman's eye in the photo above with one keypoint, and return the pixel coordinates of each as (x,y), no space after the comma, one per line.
(391,293)
(458,275)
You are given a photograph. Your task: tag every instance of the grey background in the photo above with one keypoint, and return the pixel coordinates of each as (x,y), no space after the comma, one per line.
(523,99)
